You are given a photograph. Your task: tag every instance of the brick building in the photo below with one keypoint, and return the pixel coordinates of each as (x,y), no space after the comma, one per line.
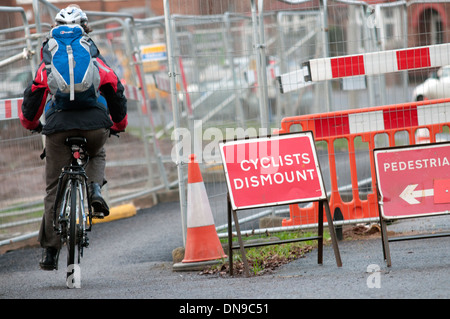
(428,21)
(139,8)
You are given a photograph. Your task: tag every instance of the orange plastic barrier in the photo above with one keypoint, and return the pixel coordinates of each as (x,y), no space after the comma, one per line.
(364,123)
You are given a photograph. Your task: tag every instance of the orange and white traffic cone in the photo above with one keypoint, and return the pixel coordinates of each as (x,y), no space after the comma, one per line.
(202,241)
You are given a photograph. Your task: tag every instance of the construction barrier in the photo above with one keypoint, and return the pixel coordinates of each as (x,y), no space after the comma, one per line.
(364,124)
(379,62)
(10,109)
(372,63)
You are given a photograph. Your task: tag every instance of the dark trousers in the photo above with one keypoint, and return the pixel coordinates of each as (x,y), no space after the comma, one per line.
(59,155)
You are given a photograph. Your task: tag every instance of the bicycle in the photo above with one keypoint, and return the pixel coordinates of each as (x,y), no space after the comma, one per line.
(70,220)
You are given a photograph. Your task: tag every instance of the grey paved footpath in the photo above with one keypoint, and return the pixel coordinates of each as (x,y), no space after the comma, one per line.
(131,258)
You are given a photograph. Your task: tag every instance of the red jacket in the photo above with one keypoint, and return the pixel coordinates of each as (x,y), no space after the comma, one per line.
(36,101)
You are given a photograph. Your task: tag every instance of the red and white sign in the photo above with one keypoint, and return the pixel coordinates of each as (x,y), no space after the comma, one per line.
(413,181)
(272,171)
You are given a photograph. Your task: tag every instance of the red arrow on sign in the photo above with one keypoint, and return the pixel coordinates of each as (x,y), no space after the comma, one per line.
(441,192)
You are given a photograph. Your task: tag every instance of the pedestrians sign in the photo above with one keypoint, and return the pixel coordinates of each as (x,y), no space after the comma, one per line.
(413,181)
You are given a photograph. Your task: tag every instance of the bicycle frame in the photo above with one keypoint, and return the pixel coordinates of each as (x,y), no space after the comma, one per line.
(74,173)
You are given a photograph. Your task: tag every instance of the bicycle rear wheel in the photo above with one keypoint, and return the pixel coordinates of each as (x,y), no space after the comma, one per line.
(73,275)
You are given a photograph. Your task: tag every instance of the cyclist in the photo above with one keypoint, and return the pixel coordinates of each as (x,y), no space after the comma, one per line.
(95,121)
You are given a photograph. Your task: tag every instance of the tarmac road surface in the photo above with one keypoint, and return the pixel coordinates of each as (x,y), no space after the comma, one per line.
(132,258)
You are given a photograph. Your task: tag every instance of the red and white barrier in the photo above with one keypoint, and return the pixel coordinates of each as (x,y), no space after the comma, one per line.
(372,63)
(132,92)
(379,62)
(293,80)
(382,119)
(10,109)
(422,121)
(162,82)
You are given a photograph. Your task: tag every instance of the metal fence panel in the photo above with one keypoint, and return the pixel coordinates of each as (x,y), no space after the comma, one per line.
(210,70)
(138,163)
(209,38)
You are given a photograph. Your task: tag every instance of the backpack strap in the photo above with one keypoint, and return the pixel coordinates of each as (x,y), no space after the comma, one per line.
(71,75)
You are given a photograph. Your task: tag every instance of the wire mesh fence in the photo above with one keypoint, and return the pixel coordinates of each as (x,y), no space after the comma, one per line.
(212,70)
(242,52)
(138,162)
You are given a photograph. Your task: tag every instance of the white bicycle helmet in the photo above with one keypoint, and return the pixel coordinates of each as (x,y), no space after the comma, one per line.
(71,15)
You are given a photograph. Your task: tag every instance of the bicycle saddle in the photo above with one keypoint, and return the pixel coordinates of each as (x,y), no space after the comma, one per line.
(76,140)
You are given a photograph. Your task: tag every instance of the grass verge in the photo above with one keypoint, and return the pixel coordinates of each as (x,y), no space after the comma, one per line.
(265,259)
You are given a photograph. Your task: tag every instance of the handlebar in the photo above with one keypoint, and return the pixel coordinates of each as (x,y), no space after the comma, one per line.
(114,132)
(38,129)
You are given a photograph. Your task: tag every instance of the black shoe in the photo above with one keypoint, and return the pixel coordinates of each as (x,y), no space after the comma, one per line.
(100,208)
(49,258)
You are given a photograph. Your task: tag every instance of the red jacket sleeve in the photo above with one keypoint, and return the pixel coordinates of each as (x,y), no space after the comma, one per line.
(113,91)
(34,98)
